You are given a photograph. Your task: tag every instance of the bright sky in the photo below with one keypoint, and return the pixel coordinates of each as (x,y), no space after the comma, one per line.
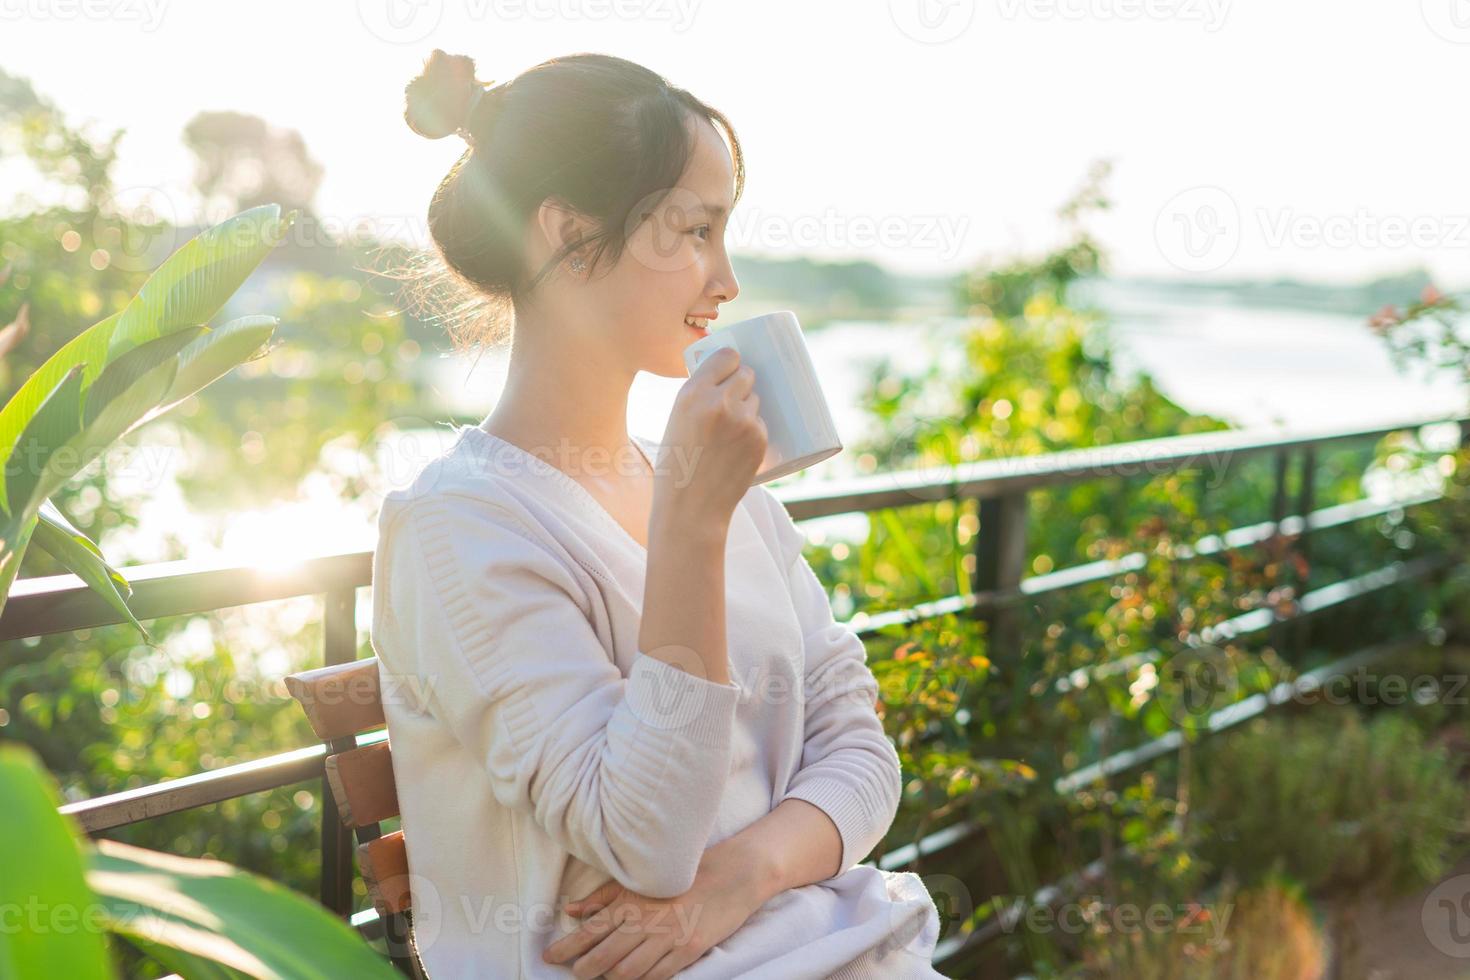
(1251,137)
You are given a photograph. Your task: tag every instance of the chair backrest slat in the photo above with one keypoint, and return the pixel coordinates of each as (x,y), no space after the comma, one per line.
(340,700)
(384,864)
(362,784)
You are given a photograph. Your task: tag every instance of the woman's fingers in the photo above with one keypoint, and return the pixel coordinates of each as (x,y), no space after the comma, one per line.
(740,383)
(638,962)
(608,953)
(717,365)
(595,899)
(587,935)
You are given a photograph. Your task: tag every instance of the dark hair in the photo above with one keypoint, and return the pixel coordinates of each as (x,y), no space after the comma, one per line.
(599,133)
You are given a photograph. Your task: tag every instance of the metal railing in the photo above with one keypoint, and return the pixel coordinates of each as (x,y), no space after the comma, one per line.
(53,604)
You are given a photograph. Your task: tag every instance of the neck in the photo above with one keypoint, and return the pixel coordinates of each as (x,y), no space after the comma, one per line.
(561,396)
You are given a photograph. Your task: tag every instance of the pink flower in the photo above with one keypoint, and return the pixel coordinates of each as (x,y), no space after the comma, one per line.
(1431,296)
(1385,318)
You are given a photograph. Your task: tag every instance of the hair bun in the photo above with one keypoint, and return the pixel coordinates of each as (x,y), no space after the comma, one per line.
(437,102)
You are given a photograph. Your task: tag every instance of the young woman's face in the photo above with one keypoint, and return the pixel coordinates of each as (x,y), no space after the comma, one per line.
(675,266)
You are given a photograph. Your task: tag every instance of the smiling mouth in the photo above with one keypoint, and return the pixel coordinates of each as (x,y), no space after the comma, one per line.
(698,324)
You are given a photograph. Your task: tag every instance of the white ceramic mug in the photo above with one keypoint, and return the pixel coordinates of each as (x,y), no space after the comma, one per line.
(799,428)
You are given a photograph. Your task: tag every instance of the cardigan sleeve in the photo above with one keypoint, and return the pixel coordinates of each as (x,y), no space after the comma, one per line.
(849,768)
(624,773)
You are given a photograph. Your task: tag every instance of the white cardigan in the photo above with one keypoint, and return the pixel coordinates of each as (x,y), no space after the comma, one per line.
(538,753)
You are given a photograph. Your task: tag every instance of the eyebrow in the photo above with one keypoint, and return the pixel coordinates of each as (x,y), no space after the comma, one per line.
(714,210)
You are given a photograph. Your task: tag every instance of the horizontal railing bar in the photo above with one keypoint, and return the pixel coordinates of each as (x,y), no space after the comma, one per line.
(1231,715)
(1225,717)
(902,857)
(286,768)
(201,789)
(61,603)
(1013,474)
(1087,573)
(1219,721)
(1128,758)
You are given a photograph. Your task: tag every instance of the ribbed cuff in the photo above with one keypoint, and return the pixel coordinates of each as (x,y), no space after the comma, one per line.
(666,698)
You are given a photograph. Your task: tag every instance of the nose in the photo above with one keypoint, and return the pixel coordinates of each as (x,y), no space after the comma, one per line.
(725,287)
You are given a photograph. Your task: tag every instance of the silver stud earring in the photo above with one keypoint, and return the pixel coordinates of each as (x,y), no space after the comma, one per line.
(578,265)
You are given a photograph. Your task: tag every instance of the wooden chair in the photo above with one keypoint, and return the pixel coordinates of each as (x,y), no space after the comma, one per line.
(342,701)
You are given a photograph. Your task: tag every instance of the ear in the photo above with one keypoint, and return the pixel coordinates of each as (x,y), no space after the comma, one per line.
(561,224)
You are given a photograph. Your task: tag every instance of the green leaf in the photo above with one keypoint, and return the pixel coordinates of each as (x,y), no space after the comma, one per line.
(218,912)
(56,420)
(16,537)
(125,371)
(88,349)
(212,355)
(186,964)
(186,290)
(56,535)
(122,414)
(43,882)
(193,283)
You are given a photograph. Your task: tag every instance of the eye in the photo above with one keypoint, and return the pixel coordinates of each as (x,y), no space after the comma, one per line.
(705,229)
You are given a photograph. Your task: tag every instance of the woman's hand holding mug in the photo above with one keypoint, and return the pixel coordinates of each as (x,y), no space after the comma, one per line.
(717,438)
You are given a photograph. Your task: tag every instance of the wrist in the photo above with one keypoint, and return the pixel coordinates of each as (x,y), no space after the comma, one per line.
(742,866)
(681,519)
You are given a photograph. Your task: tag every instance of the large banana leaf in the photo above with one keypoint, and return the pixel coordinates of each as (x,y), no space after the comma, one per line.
(113,420)
(120,373)
(57,418)
(43,873)
(212,355)
(211,910)
(185,291)
(205,919)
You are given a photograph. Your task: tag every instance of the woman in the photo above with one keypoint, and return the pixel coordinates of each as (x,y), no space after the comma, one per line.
(630,688)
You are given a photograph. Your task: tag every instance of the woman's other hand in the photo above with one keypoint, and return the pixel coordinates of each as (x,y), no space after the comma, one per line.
(716,437)
(625,935)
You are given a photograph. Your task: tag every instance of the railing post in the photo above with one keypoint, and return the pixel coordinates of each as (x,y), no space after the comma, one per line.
(1000,564)
(1305,504)
(339,643)
(1277,549)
